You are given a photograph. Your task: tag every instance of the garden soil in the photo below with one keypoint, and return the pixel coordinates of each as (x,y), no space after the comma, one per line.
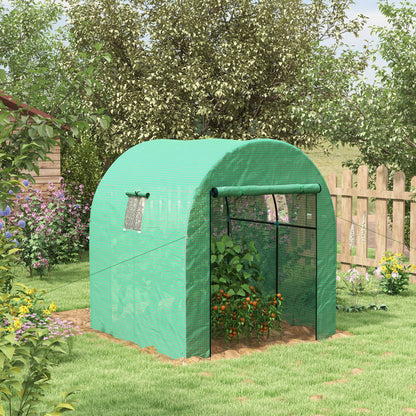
(219,349)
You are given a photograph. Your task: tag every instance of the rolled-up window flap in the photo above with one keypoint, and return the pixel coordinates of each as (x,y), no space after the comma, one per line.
(252,190)
(138,194)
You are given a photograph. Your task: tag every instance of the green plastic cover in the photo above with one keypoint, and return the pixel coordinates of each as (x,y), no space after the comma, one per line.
(152,286)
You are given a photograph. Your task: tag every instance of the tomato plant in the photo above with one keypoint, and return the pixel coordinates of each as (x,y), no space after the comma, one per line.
(250,316)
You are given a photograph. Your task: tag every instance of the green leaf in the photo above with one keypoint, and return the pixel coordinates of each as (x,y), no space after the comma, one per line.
(49,131)
(104,123)
(8,351)
(220,246)
(64,406)
(245,287)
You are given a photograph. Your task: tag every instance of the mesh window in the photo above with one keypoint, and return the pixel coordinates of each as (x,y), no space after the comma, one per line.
(297,274)
(252,208)
(134,213)
(295,209)
(218,217)
(264,237)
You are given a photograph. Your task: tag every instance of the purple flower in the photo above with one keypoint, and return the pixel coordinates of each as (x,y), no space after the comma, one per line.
(8,234)
(16,242)
(6,212)
(25,182)
(27,198)
(11,192)
(21,223)
(1,225)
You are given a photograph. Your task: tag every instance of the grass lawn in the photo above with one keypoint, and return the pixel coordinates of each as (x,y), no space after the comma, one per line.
(373,371)
(332,160)
(68,286)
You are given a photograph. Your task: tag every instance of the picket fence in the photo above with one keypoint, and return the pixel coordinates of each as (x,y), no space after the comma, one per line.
(357,230)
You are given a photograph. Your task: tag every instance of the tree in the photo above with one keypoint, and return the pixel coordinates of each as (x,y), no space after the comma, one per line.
(188,69)
(388,109)
(29,51)
(38,67)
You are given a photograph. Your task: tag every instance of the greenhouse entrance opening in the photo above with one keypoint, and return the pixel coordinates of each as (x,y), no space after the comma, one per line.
(283,227)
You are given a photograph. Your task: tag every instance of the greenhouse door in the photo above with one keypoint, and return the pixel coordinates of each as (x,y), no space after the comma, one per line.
(283,229)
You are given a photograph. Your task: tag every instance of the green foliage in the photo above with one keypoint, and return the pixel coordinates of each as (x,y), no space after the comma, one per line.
(357,285)
(232,69)
(22,145)
(233,316)
(29,49)
(56,228)
(26,371)
(233,266)
(379,119)
(9,254)
(40,69)
(83,164)
(237,307)
(29,345)
(394,273)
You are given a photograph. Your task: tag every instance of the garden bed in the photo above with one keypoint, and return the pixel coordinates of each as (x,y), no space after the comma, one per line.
(219,348)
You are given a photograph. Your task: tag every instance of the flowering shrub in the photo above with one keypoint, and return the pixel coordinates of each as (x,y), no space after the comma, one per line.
(393,273)
(29,338)
(56,229)
(358,284)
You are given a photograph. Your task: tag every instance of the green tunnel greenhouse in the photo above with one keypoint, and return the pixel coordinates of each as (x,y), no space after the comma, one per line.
(152,220)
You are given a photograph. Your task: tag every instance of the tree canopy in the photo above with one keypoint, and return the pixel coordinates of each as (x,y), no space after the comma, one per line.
(33,71)
(188,69)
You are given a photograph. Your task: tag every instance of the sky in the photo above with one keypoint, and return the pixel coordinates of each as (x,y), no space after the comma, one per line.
(368,8)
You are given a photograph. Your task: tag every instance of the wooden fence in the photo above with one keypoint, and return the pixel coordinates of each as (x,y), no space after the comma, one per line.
(379,227)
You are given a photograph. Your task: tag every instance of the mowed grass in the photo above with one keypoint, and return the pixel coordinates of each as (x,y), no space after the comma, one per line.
(373,372)
(331,160)
(68,285)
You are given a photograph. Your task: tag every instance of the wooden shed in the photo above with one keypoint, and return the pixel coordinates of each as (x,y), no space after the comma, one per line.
(49,170)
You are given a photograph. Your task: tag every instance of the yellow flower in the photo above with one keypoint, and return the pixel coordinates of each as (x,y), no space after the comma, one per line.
(383,259)
(52,307)
(17,323)
(23,310)
(388,275)
(31,291)
(46,312)
(384,269)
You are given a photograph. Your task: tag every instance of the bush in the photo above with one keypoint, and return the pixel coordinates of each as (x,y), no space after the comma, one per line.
(8,250)
(57,226)
(394,273)
(30,341)
(358,284)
